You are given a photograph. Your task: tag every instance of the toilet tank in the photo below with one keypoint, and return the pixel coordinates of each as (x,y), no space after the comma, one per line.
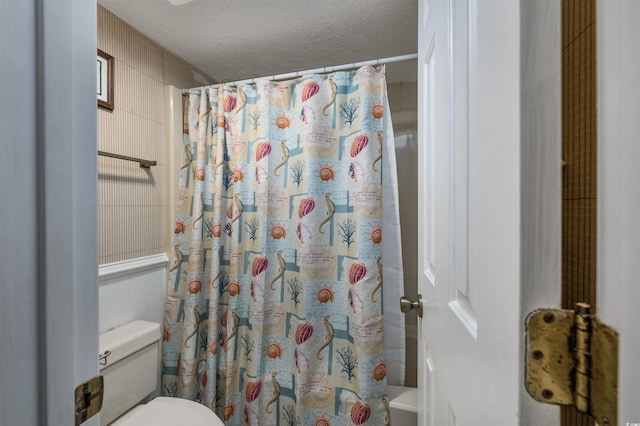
(129,363)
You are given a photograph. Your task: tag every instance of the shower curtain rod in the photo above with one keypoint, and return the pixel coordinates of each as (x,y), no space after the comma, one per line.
(349,66)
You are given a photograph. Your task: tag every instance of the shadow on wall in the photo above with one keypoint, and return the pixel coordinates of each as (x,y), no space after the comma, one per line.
(403,102)
(406,157)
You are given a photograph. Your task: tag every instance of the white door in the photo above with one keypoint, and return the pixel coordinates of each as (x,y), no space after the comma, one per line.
(489,83)
(618,196)
(48,262)
(489,249)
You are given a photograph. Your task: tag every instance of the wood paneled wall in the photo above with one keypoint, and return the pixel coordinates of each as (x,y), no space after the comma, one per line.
(580,155)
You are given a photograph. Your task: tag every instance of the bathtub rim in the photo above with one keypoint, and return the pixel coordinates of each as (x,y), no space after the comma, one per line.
(403,398)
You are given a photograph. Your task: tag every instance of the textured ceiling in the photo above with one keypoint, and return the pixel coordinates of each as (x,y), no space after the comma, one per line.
(239,39)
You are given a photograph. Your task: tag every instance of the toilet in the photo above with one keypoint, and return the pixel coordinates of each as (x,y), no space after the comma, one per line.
(129,363)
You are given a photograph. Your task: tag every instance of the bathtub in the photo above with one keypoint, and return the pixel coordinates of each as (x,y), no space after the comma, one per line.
(403,400)
(403,405)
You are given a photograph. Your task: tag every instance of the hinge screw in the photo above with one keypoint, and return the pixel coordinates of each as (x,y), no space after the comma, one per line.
(538,355)
(547,394)
(548,317)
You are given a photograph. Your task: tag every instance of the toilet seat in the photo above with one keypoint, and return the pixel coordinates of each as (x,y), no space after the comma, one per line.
(165,411)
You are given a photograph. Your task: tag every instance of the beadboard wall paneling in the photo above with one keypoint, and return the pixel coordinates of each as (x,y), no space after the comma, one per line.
(132,290)
(132,201)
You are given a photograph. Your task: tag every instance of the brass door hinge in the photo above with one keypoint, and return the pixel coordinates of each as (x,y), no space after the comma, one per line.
(572,359)
(88,397)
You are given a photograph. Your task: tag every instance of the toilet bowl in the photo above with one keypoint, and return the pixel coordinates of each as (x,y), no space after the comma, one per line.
(164,411)
(129,363)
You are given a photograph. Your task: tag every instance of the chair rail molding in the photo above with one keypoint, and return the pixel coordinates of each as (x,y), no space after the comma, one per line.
(110,271)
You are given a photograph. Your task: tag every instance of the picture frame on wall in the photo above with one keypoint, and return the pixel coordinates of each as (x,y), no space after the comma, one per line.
(105,80)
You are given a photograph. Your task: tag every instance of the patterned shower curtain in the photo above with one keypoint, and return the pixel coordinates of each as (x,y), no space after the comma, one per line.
(274,303)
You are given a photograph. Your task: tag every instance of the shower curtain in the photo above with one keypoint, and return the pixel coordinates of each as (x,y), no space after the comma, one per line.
(274,311)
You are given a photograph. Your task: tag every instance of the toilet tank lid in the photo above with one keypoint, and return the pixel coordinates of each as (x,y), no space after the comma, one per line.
(126,340)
